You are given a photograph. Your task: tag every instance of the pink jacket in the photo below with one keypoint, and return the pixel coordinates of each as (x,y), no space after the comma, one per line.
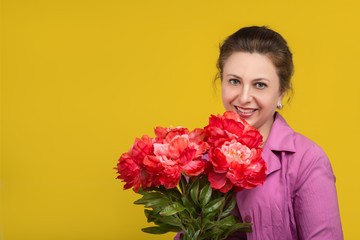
(298,199)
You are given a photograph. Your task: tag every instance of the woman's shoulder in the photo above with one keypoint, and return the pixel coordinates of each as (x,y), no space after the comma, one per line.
(301,151)
(295,141)
(306,145)
(308,158)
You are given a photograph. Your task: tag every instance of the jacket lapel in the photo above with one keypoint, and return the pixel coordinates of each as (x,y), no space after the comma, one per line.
(281,139)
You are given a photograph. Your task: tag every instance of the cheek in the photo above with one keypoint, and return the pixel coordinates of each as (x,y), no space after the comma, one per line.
(226,96)
(269,102)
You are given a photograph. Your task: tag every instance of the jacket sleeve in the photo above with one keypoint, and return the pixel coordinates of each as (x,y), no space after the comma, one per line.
(177,236)
(315,199)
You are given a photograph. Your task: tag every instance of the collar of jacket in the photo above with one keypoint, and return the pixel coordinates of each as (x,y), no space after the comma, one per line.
(281,139)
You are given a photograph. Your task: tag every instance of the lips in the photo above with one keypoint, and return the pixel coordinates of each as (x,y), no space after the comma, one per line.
(245,112)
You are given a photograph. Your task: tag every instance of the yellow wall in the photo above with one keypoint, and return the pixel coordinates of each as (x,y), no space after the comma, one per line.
(82,79)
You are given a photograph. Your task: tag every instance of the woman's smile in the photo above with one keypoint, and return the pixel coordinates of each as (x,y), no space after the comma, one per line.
(245,112)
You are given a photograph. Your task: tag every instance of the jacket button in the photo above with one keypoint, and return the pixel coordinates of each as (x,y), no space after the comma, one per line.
(248,219)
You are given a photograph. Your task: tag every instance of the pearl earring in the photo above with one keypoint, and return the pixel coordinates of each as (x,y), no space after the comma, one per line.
(280,106)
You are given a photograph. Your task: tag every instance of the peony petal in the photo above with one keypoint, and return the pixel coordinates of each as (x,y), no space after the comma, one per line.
(218,160)
(186,156)
(177,146)
(153,164)
(141,180)
(214,133)
(248,176)
(161,149)
(160,132)
(232,115)
(194,168)
(251,138)
(142,147)
(174,132)
(217,180)
(170,177)
(236,177)
(197,135)
(202,148)
(227,187)
(215,121)
(233,127)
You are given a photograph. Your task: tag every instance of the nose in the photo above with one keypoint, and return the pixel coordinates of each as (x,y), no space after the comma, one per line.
(245,95)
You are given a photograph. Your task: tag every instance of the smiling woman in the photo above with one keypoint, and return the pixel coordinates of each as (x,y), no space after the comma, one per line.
(298,199)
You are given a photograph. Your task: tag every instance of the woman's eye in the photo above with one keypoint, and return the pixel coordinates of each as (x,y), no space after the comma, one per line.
(234,81)
(260,85)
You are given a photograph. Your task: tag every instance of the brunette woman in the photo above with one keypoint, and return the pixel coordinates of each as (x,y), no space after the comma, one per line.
(298,199)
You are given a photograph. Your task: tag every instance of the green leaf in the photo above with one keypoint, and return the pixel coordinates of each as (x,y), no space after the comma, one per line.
(140,191)
(187,235)
(188,205)
(164,228)
(213,233)
(170,220)
(194,191)
(213,206)
(172,209)
(156,210)
(185,215)
(148,196)
(157,202)
(227,222)
(243,227)
(147,212)
(190,231)
(206,223)
(153,216)
(196,235)
(229,207)
(205,195)
(172,193)
(196,223)
(175,194)
(155,230)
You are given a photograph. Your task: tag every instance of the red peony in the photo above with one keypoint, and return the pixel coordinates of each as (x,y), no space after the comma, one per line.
(235,153)
(159,161)
(231,126)
(131,165)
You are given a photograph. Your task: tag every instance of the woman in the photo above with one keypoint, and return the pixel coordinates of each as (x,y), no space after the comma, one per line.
(298,199)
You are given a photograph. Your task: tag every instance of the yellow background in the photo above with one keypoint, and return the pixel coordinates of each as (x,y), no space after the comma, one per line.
(81,79)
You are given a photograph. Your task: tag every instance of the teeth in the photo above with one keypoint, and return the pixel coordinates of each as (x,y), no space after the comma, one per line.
(245,111)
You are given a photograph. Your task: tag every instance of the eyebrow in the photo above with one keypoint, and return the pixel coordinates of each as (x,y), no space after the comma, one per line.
(256,79)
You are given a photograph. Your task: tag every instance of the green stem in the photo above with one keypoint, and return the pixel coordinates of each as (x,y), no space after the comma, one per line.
(191,185)
(222,208)
(183,186)
(182,226)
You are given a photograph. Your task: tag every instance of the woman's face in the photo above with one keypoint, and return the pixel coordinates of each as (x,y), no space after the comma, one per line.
(251,88)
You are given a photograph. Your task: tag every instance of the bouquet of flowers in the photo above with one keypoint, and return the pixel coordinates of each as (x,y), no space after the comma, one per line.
(188,180)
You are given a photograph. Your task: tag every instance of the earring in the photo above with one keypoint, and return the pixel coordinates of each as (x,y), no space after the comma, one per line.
(280,106)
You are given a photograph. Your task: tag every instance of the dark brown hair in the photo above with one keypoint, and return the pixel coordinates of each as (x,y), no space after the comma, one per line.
(260,40)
